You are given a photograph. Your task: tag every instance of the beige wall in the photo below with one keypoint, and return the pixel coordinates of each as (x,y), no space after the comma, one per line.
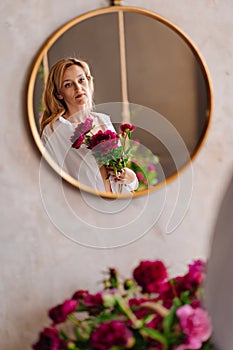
(39,265)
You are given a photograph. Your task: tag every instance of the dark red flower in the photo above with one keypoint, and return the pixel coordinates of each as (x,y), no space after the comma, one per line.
(127,128)
(49,340)
(80,294)
(103,141)
(167,296)
(77,143)
(151,276)
(111,334)
(196,274)
(94,302)
(80,131)
(59,313)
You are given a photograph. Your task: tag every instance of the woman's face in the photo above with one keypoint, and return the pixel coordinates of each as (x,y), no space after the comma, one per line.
(75,89)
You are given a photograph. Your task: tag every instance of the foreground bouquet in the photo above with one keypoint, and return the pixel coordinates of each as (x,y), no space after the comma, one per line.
(108,147)
(149,311)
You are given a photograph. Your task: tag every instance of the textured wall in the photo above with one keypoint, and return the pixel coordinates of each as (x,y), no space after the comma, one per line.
(39,265)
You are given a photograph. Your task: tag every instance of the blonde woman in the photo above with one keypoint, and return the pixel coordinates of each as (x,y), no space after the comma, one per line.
(68,100)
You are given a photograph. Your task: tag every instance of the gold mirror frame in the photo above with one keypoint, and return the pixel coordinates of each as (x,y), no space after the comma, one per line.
(55,36)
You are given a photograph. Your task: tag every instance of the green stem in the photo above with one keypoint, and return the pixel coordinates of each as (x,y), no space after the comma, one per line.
(128,312)
(163,311)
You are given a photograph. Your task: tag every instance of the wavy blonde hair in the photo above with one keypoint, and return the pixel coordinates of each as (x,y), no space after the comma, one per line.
(53,106)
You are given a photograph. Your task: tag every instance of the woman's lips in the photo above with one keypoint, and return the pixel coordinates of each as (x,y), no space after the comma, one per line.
(79,96)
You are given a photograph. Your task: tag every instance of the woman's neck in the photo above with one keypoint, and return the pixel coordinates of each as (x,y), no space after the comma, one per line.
(77,116)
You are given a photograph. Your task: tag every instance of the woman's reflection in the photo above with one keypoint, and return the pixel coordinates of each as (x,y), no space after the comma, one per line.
(68,102)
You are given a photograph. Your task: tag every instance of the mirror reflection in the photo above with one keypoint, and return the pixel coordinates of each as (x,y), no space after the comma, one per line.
(133,57)
(68,109)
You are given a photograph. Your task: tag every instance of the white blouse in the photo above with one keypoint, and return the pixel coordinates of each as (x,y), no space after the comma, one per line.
(80,163)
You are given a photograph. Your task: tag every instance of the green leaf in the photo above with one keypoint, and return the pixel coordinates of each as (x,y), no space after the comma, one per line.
(156,335)
(168,321)
(177,302)
(185,297)
(63,335)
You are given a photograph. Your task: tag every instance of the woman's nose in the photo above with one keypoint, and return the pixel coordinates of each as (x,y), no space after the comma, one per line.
(77,85)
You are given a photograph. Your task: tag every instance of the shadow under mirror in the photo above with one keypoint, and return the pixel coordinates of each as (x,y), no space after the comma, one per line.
(148,74)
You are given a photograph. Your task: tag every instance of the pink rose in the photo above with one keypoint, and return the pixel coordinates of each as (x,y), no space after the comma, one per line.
(59,313)
(196,325)
(151,276)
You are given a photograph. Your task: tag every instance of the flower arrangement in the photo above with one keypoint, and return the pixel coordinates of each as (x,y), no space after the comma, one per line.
(148,311)
(108,147)
(113,150)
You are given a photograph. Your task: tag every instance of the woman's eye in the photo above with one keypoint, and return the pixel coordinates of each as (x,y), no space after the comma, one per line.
(82,79)
(67,85)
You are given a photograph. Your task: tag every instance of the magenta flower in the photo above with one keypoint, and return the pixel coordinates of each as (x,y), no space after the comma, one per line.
(140,176)
(48,340)
(82,128)
(93,300)
(59,313)
(196,274)
(126,128)
(151,276)
(80,294)
(80,131)
(77,143)
(103,141)
(196,325)
(111,334)
(151,167)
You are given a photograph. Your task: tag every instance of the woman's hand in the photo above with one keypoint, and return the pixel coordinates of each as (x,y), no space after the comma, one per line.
(125,176)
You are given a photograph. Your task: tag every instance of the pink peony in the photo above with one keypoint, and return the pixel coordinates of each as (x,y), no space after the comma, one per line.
(111,334)
(48,340)
(103,142)
(59,313)
(195,324)
(151,276)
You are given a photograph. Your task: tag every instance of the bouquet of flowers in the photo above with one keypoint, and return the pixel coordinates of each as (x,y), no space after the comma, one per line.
(108,147)
(148,311)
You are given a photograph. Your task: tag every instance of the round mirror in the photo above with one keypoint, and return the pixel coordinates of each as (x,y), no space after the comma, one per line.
(146,73)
